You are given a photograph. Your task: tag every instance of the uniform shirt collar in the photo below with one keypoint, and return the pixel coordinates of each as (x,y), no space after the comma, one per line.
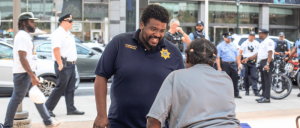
(201,34)
(136,38)
(62,29)
(224,43)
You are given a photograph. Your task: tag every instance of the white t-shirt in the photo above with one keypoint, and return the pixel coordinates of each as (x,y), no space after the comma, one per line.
(246,51)
(66,42)
(264,47)
(23,42)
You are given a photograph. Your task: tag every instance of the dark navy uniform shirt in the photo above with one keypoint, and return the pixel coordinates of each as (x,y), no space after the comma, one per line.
(138,76)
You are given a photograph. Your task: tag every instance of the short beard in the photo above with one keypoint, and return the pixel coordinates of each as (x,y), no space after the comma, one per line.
(200,30)
(30,29)
(152,48)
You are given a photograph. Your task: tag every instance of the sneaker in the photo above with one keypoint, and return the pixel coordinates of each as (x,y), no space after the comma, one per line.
(55,124)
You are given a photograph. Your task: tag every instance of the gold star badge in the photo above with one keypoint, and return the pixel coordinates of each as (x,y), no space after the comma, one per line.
(165,54)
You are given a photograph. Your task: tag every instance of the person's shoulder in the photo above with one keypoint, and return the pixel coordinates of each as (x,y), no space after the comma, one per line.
(22,36)
(220,45)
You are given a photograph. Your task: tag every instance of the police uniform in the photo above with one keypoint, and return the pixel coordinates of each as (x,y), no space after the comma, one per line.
(281,46)
(66,78)
(195,35)
(175,39)
(266,75)
(250,49)
(228,54)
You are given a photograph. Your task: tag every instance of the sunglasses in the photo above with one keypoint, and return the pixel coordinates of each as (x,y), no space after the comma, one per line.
(229,37)
(70,20)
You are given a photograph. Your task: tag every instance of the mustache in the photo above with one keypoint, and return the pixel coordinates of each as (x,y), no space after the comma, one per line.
(155,37)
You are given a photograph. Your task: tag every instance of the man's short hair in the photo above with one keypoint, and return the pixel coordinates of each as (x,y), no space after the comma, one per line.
(201,51)
(155,11)
(174,20)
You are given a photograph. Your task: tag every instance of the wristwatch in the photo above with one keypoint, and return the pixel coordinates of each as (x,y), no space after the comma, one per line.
(267,63)
(60,66)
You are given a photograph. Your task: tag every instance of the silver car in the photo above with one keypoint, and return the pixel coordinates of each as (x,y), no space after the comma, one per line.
(87,58)
(45,70)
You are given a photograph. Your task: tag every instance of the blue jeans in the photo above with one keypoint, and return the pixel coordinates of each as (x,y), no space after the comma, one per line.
(22,83)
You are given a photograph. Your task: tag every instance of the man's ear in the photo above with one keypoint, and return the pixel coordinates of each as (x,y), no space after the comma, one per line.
(141,25)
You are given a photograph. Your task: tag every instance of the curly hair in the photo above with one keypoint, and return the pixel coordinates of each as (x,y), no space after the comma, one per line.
(155,11)
(20,24)
(201,51)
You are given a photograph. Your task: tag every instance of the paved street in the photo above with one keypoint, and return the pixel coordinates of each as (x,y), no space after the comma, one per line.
(277,114)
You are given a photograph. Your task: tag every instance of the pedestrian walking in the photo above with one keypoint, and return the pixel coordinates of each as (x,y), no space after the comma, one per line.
(173,35)
(139,62)
(24,67)
(188,107)
(227,60)
(265,56)
(64,54)
(248,49)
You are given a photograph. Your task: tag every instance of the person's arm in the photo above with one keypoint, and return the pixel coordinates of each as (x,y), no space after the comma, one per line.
(239,57)
(293,52)
(153,123)
(218,59)
(100,97)
(249,58)
(191,35)
(185,37)
(270,47)
(57,56)
(26,66)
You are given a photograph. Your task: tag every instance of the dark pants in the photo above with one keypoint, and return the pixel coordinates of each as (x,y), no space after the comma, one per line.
(231,70)
(22,83)
(266,78)
(65,80)
(250,71)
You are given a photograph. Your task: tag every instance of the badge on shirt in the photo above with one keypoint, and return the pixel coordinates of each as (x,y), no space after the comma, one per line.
(165,54)
(130,46)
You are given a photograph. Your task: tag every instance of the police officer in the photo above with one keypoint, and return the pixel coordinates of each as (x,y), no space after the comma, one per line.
(296,49)
(282,47)
(248,49)
(265,56)
(227,60)
(174,36)
(65,56)
(199,33)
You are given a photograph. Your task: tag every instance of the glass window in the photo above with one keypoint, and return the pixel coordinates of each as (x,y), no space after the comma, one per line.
(73,7)
(42,9)
(290,34)
(81,50)
(95,12)
(87,30)
(283,16)
(6,53)
(44,48)
(130,15)
(45,27)
(185,12)
(227,13)
(6,8)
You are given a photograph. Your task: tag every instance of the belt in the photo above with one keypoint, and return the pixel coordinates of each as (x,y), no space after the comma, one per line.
(71,62)
(228,62)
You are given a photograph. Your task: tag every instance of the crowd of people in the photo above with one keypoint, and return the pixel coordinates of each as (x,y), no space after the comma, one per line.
(151,87)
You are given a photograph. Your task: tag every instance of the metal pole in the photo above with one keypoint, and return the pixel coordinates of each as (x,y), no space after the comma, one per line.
(206,20)
(238,18)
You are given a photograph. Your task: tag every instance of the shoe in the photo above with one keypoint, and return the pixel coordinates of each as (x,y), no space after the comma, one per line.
(264,100)
(51,113)
(238,97)
(55,124)
(259,98)
(256,93)
(76,112)
(247,93)
(298,95)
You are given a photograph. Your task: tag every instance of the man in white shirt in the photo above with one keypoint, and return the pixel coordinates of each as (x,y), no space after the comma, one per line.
(248,49)
(24,68)
(65,55)
(265,56)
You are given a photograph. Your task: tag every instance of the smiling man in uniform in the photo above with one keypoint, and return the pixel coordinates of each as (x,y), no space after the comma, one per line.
(139,61)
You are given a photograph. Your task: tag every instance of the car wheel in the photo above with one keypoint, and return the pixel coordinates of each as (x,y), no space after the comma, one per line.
(48,85)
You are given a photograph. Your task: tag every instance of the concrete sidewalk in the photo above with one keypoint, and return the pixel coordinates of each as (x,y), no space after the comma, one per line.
(277,114)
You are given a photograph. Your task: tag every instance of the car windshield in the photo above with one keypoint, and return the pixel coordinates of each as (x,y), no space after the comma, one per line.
(242,40)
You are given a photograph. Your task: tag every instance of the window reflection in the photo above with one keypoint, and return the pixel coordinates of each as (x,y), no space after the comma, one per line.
(283,16)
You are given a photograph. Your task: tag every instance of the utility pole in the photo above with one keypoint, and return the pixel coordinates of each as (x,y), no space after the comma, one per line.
(238,17)
(206,20)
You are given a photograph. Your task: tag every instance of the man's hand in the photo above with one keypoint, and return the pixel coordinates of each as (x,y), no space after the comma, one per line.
(266,68)
(244,61)
(35,80)
(287,52)
(220,69)
(179,29)
(60,67)
(101,122)
(241,67)
(286,59)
